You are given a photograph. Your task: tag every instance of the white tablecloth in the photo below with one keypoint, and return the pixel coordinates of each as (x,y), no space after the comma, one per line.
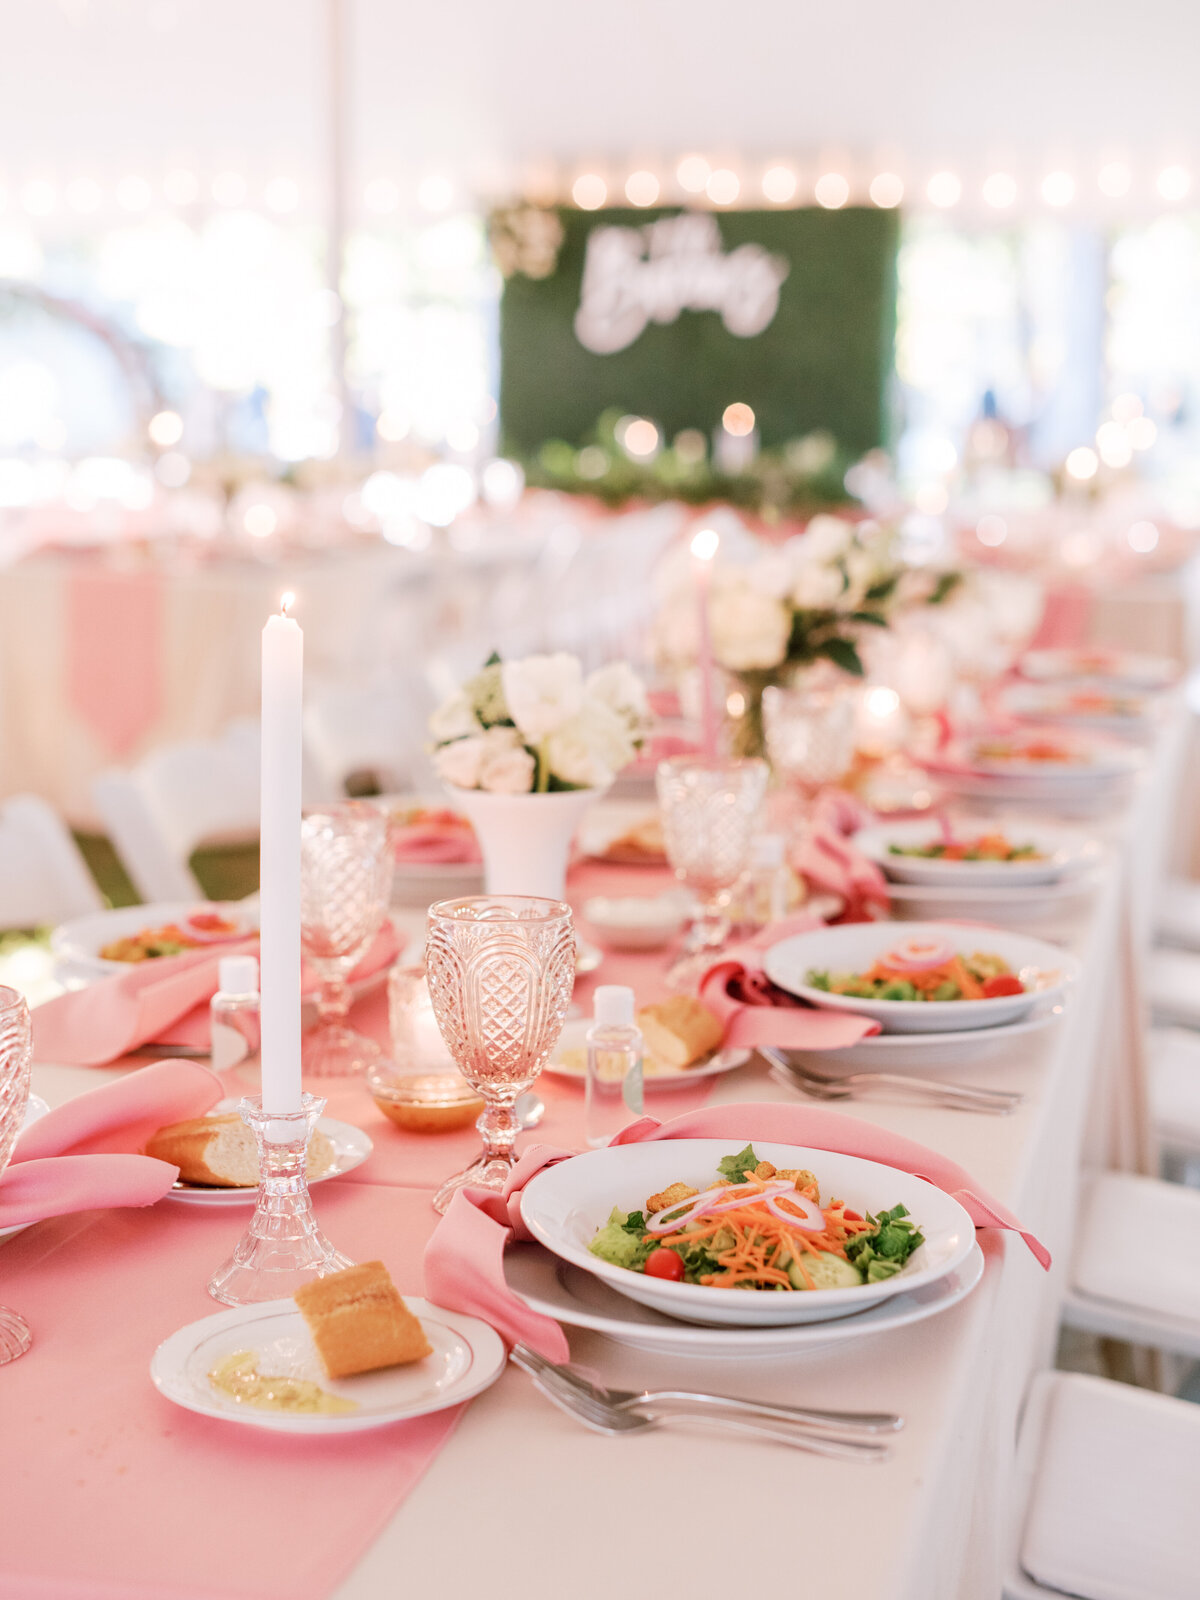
(522,1490)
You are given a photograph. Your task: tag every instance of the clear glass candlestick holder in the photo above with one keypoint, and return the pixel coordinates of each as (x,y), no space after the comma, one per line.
(283,1247)
(500,970)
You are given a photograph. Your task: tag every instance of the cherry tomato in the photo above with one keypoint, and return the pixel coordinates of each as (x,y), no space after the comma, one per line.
(210,922)
(664,1263)
(1004,983)
(851,1216)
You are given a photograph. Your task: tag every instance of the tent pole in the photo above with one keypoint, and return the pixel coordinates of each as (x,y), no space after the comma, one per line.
(337,154)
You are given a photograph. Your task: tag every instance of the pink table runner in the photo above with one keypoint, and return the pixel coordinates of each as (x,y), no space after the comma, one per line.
(114,653)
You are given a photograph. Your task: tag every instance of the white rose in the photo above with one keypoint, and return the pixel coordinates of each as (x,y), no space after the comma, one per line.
(817,588)
(460,763)
(591,748)
(542,692)
(826,538)
(772,574)
(748,629)
(454,718)
(619,687)
(508,771)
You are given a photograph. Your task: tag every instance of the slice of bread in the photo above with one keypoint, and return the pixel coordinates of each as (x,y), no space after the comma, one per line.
(221,1152)
(680,1031)
(359,1322)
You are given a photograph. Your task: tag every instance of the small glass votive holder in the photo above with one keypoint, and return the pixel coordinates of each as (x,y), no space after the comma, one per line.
(420,1088)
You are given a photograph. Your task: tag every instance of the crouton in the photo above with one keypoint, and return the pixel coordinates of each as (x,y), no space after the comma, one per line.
(801,1179)
(765,1170)
(672,1196)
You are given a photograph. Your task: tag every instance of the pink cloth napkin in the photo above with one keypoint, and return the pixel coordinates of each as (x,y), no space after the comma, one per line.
(436,843)
(85,1155)
(464,1260)
(755,1012)
(829,861)
(164,1001)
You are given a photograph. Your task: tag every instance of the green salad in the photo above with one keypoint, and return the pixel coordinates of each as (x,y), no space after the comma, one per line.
(757,1227)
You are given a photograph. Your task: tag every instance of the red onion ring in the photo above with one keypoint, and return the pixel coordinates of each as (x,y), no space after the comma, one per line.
(812,1220)
(712,1201)
(918,955)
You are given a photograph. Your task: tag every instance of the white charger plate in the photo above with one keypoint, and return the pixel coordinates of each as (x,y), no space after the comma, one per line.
(351,1147)
(936,1052)
(1063,850)
(467,1357)
(563,1207)
(1002,907)
(1122,668)
(581,1300)
(81,940)
(573,1041)
(607,821)
(854,947)
(35,1108)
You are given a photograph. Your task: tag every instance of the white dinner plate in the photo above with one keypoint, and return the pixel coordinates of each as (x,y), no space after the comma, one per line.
(1124,713)
(606,822)
(936,1052)
(1087,761)
(1124,668)
(467,1357)
(1061,850)
(35,1108)
(563,1207)
(351,1147)
(81,940)
(854,947)
(581,1300)
(569,1060)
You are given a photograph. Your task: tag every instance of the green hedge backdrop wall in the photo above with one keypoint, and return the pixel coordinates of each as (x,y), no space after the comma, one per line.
(824,361)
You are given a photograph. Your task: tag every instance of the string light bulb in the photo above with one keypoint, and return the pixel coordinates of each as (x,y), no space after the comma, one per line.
(887,190)
(692,173)
(832,191)
(1173,183)
(723,186)
(1114,179)
(1058,188)
(999,190)
(779,185)
(641,188)
(944,190)
(589,191)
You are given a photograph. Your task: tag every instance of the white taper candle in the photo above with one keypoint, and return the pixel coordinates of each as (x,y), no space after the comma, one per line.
(279,875)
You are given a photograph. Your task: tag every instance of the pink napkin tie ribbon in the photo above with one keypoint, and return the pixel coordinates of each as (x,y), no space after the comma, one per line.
(85,1155)
(162,1001)
(829,861)
(755,1012)
(464,1260)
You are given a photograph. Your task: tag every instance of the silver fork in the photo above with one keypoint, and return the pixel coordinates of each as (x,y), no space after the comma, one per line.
(827,1086)
(850,1434)
(611,1420)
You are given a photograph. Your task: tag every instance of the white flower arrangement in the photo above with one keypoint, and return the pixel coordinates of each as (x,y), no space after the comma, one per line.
(538,725)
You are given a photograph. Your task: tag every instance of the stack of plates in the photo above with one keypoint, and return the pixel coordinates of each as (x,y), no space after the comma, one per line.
(1004,892)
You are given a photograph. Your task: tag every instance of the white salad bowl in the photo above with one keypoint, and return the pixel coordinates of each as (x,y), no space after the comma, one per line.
(1045,970)
(564,1206)
(1061,850)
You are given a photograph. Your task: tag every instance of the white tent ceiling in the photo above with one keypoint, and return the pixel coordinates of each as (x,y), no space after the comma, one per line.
(486,89)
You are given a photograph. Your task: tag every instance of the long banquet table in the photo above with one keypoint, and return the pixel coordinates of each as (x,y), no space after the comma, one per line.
(523,1500)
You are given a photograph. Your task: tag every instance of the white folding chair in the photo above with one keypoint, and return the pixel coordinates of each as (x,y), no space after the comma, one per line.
(1172,986)
(1108,1479)
(1178,913)
(43,877)
(1174,1061)
(1136,1269)
(378,730)
(157,813)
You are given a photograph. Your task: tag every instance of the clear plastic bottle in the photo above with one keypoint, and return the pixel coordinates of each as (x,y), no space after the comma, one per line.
(614,1093)
(234,1014)
(767,889)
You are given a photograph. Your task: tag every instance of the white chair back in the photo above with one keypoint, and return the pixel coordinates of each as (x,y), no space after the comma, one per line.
(43,877)
(179,797)
(376,729)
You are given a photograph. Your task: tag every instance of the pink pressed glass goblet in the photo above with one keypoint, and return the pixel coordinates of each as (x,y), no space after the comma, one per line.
(345,883)
(16,1064)
(500,970)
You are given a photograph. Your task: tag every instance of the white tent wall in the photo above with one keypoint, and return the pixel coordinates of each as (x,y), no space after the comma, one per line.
(484,90)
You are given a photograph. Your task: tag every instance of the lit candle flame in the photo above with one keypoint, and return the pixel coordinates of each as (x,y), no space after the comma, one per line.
(704,544)
(286,603)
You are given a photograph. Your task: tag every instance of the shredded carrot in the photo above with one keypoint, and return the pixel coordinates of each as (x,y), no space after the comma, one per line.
(762,1241)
